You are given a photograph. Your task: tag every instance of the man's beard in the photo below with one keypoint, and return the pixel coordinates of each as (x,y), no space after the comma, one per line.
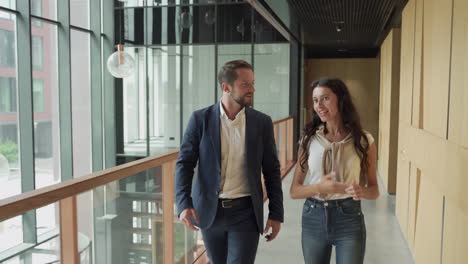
(241,100)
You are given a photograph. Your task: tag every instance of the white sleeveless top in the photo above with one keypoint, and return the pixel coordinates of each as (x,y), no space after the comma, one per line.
(350,162)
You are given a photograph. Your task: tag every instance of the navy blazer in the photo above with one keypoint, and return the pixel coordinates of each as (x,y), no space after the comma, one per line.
(202,144)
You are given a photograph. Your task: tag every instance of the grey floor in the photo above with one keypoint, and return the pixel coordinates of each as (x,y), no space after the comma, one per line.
(385,242)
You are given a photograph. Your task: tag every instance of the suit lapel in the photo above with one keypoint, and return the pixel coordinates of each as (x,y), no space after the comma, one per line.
(214,133)
(250,137)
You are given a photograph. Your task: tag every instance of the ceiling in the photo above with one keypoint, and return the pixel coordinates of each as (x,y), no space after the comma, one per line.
(339,28)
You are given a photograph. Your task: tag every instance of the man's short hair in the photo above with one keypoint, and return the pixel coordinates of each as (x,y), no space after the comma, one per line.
(228,73)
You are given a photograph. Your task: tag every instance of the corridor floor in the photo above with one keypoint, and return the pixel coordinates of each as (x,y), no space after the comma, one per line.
(385,242)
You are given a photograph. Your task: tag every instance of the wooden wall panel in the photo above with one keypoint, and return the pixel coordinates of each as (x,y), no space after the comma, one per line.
(433,133)
(437,32)
(458,118)
(413,202)
(405,113)
(388,105)
(384,109)
(428,232)
(407,61)
(362,78)
(403,183)
(417,93)
(455,236)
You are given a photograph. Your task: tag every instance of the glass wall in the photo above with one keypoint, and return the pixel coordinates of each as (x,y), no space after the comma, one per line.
(179,46)
(272,79)
(45,103)
(51,86)
(10,170)
(199,78)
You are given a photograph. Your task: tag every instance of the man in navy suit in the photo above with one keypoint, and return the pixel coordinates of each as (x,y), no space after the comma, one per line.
(232,145)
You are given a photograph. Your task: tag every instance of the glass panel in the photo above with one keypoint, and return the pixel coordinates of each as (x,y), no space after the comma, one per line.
(81,102)
(79,13)
(164,67)
(11,4)
(203,28)
(11,233)
(47,218)
(14,237)
(171,25)
(44,8)
(135,3)
(85,225)
(198,79)
(187,24)
(234,23)
(129,223)
(234,52)
(45,105)
(7,43)
(10,175)
(134,25)
(166,25)
(134,106)
(37,45)
(128,219)
(272,79)
(264,32)
(47,252)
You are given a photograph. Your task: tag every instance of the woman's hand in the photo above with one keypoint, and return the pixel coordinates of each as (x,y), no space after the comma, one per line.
(355,191)
(329,185)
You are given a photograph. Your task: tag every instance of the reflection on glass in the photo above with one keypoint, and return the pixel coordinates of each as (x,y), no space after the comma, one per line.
(272,79)
(129,227)
(47,218)
(234,23)
(134,105)
(44,8)
(172,25)
(85,211)
(10,175)
(46,249)
(81,102)
(45,104)
(79,13)
(11,233)
(137,3)
(198,79)
(11,4)
(164,68)
(234,52)
(264,32)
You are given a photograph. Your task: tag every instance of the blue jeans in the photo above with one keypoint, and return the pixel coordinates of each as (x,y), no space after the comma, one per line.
(338,223)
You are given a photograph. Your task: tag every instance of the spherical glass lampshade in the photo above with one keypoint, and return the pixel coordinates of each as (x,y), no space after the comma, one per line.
(120,64)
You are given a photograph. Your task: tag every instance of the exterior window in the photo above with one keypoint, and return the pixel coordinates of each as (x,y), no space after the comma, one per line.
(38,95)
(7,95)
(7,46)
(37,53)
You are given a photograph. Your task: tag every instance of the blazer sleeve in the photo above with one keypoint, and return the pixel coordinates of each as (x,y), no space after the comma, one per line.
(185,165)
(272,174)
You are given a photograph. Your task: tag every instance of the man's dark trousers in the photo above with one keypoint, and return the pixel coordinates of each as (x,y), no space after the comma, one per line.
(233,236)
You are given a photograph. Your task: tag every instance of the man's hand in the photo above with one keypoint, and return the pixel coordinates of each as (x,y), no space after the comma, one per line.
(275,228)
(185,218)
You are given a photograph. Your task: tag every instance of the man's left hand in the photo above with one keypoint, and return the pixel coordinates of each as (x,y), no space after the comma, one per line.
(275,228)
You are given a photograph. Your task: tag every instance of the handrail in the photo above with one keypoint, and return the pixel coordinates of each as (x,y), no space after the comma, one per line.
(66,192)
(21,203)
(282,120)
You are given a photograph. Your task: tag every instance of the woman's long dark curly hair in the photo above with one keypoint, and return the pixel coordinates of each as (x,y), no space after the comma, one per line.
(350,118)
